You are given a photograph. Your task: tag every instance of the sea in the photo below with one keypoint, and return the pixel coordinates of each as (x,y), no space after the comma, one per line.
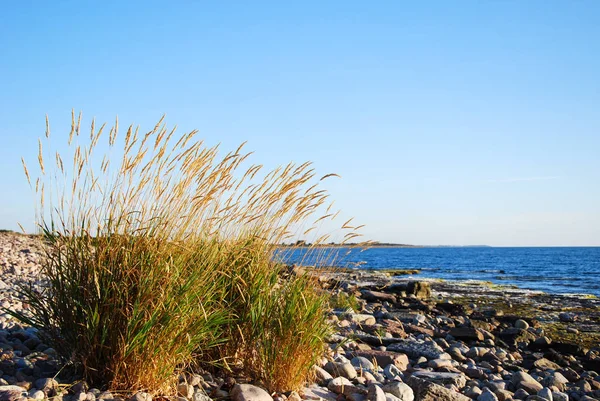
(562,270)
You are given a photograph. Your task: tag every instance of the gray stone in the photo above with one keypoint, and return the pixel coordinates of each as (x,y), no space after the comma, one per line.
(36,394)
(521,324)
(428,391)
(200,395)
(414,349)
(140,396)
(356,397)
(466,333)
(249,392)
(361,318)
(12,393)
(518,378)
(558,396)
(318,393)
(391,371)
(545,393)
(440,363)
(457,379)
(362,363)
(384,358)
(46,384)
(567,317)
(545,364)
(400,390)
(341,385)
(185,390)
(321,375)
(487,395)
(420,289)
(344,369)
(375,393)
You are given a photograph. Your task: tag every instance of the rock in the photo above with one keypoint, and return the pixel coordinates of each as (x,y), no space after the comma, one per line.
(545,364)
(37,394)
(487,395)
(185,390)
(558,396)
(567,317)
(375,393)
(420,289)
(140,396)
(457,379)
(391,371)
(514,335)
(344,369)
(46,385)
(355,397)
(466,333)
(361,318)
(294,396)
(521,324)
(413,349)
(530,387)
(440,363)
(376,296)
(249,392)
(545,393)
(341,385)
(556,379)
(321,375)
(320,394)
(360,362)
(428,391)
(12,393)
(521,376)
(503,395)
(384,358)
(521,394)
(400,390)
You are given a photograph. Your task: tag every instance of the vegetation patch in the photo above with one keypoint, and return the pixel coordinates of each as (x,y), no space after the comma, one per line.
(160,256)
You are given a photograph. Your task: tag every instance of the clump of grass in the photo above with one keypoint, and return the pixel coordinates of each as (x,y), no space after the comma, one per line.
(343,300)
(167,260)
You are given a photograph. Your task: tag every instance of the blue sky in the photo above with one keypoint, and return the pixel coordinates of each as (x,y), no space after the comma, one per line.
(468,122)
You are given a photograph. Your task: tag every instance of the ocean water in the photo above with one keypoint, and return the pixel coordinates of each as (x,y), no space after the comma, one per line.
(552,270)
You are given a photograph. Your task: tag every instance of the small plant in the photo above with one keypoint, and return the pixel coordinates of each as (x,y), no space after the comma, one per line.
(166,260)
(343,300)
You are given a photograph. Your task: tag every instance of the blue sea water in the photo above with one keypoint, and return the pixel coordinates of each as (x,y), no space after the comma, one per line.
(552,270)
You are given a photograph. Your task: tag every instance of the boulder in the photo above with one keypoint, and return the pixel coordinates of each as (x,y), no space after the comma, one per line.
(249,392)
(428,391)
(400,390)
(384,358)
(420,289)
(414,349)
(376,296)
(466,333)
(443,378)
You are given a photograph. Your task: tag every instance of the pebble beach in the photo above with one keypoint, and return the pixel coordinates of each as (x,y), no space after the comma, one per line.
(407,340)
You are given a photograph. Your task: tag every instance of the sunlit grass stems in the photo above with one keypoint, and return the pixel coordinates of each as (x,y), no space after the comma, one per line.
(160,255)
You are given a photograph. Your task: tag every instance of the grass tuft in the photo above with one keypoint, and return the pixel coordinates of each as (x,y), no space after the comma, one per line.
(160,257)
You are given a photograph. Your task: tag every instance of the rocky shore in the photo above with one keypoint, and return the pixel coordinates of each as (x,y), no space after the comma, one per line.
(405,340)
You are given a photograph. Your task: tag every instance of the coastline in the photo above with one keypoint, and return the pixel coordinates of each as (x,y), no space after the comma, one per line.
(408,339)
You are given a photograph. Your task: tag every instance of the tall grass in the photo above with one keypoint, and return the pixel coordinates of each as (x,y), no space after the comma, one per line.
(160,255)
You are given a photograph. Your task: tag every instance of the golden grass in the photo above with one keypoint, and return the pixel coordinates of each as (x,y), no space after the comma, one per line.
(160,257)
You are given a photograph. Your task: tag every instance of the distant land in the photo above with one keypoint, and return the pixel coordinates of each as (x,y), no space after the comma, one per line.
(375,244)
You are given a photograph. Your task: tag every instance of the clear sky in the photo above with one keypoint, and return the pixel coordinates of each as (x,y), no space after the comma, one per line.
(450,122)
